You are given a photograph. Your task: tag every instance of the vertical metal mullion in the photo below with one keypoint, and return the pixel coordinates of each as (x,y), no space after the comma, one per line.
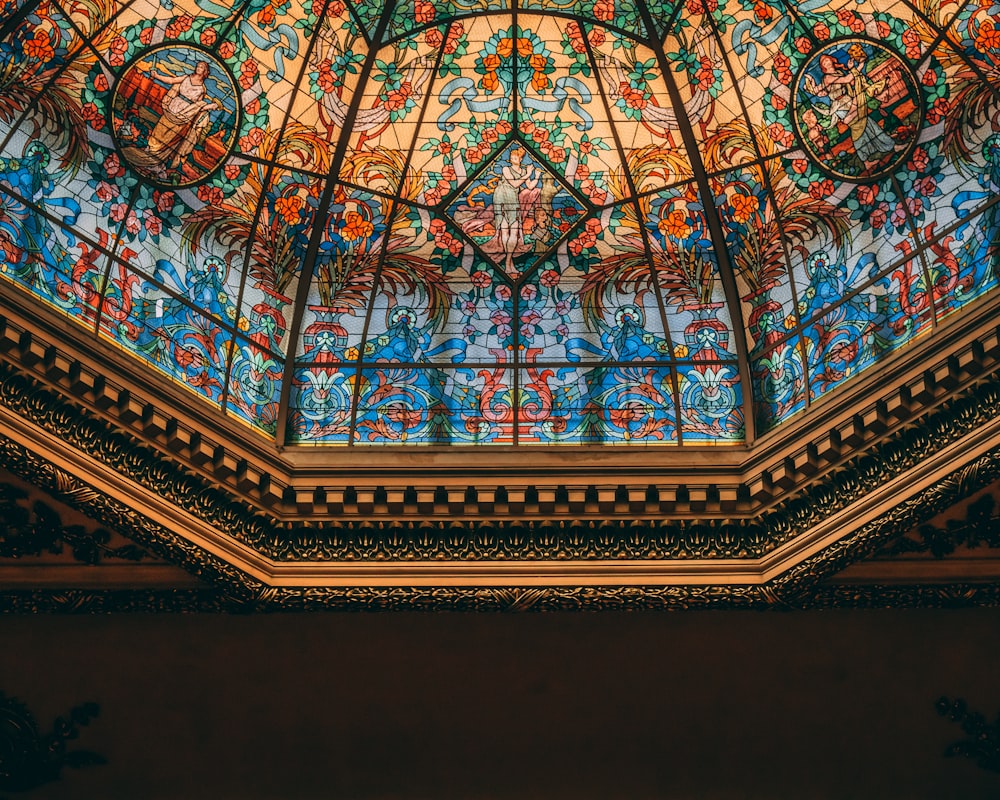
(395,210)
(643,233)
(716,234)
(270,169)
(322,209)
(762,162)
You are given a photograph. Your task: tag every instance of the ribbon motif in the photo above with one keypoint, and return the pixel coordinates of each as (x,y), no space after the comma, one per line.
(458,89)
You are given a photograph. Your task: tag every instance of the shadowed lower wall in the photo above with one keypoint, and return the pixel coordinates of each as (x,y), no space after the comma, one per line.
(683,705)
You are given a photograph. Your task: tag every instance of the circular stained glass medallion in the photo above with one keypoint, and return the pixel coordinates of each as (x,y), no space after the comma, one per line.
(857,108)
(175,114)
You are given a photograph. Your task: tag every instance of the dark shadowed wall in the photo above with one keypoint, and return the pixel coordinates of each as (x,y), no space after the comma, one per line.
(679,705)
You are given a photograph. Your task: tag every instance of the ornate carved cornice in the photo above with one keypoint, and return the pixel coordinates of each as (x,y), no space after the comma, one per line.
(300,484)
(971,412)
(631,598)
(648,540)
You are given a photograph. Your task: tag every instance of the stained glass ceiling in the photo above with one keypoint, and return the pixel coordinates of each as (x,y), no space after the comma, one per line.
(505,223)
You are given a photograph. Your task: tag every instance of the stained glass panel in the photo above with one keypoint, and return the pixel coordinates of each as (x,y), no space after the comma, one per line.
(476,222)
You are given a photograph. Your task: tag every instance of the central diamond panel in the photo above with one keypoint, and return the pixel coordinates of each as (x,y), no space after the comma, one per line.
(515,210)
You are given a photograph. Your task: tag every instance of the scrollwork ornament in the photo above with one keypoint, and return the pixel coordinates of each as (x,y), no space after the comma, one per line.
(513,539)
(39,529)
(799,583)
(526,539)
(28,758)
(980,526)
(983,742)
(65,482)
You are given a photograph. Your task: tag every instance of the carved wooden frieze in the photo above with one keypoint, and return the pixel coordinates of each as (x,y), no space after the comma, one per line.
(776,537)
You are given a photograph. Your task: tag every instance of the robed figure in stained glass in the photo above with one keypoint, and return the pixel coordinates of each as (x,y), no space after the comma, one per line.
(515,210)
(515,199)
(185,116)
(175,115)
(856,108)
(851,92)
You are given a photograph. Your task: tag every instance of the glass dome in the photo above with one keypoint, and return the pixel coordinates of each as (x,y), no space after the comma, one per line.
(534,222)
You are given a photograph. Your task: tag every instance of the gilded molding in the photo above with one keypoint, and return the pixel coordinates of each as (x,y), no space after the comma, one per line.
(293,488)
(799,588)
(640,598)
(509,534)
(868,539)
(386,538)
(129,522)
(956,595)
